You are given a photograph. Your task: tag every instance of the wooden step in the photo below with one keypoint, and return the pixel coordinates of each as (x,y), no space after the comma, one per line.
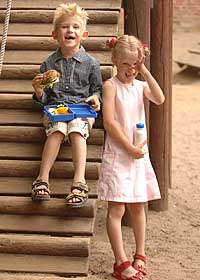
(28,72)
(45,29)
(46,16)
(36,57)
(34,276)
(33,151)
(29,118)
(51,5)
(48,43)
(37,134)
(44,245)
(53,207)
(15,85)
(60,265)
(54,225)
(25,168)
(21,186)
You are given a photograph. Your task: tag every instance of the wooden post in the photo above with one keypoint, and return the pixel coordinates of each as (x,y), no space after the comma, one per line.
(137,23)
(160,116)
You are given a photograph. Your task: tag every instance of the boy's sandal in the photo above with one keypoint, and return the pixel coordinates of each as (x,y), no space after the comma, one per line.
(118,269)
(38,186)
(79,191)
(139,267)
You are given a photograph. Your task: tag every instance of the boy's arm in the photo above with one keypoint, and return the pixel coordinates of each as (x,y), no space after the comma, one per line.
(95,80)
(95,87)
(39,94)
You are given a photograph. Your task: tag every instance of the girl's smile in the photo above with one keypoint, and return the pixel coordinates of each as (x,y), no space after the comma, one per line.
(127,67)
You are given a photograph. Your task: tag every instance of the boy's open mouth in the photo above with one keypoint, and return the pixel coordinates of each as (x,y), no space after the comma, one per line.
(70,38)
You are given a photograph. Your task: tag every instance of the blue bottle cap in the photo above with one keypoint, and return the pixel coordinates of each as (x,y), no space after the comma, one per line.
(139,125)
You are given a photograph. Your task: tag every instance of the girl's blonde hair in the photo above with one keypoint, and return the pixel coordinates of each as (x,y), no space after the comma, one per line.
(127,43)
(64,10)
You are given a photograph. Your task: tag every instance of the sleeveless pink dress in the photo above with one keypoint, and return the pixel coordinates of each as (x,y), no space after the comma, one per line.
(123,178)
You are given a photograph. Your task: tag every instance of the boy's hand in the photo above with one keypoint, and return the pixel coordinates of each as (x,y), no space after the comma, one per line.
(94,102)
(36,84)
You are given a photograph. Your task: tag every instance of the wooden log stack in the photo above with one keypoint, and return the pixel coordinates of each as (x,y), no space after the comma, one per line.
(44,240)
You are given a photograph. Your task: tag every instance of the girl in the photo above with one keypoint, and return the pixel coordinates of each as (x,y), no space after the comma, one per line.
(127,176)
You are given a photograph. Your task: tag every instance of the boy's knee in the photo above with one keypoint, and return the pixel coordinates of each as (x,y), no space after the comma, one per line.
(57,135)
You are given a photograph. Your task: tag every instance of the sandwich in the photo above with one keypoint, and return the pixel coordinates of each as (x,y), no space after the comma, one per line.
(50,78)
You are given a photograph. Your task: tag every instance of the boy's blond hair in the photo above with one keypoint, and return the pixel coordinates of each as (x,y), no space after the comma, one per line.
(64,10)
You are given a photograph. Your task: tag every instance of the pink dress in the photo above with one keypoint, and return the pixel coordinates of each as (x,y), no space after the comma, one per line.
(123,178)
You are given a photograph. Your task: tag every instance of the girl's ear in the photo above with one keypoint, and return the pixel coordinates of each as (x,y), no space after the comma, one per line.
(85,35)
(54,35)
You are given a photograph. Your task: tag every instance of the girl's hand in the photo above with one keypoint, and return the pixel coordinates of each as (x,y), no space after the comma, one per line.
(94,102)
(140,67)
(138,151)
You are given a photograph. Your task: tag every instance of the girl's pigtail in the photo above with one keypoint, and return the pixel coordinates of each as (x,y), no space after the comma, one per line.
(146,50)
(111,42)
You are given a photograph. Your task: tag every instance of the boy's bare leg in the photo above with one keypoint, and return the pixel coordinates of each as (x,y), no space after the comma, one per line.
(50,152)
(79,154)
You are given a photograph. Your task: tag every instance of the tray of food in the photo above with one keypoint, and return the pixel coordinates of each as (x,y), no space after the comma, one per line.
(67,112)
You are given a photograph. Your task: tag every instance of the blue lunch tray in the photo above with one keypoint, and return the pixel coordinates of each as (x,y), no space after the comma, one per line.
(76,111)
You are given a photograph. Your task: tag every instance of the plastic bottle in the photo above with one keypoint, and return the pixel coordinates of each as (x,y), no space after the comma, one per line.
(140,136)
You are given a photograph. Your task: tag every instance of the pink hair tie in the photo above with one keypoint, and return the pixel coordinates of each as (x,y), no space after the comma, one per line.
(112,42)
(146,49)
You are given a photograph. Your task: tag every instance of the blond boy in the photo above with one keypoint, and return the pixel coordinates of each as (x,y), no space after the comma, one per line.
(80,81)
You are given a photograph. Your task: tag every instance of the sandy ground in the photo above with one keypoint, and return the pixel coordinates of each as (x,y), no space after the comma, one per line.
(173,236)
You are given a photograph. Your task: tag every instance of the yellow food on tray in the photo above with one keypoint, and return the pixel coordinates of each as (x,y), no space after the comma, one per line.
(61,109)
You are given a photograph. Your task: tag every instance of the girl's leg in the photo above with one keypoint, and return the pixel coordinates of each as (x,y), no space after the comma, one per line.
(114,216)
(138,222)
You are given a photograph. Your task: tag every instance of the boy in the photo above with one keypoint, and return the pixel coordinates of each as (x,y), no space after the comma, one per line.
(80,81)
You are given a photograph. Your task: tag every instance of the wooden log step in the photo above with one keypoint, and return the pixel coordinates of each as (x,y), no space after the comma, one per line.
(29,118)
(28,72)
(15,85)
(36,57)
(20,117)
(60,265)
(45,29)
(44,245)
(37,135)
(21,186)
(62,226)
(53,207)
(34,276)
(18,101)
(25,168)
(51,5)
(46,16)
(48,43)
(33,151)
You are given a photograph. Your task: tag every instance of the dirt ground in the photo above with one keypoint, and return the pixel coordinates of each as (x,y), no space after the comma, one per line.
(173,236)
